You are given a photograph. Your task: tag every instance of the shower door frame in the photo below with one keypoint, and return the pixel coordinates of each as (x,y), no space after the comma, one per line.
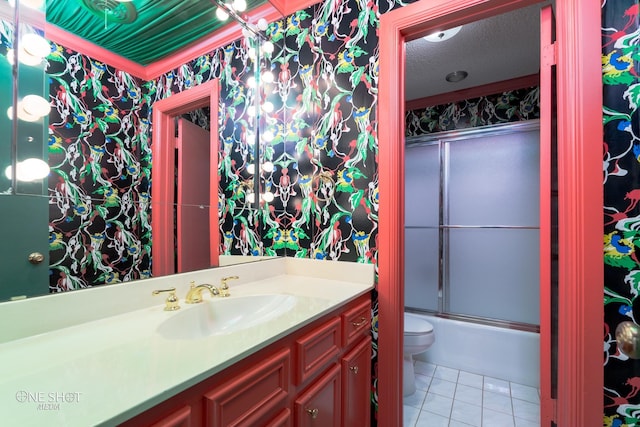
(460,136)
(577,54)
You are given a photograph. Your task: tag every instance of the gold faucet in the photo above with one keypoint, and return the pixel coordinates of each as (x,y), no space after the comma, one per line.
(171,303)
(194,295)
(224,288)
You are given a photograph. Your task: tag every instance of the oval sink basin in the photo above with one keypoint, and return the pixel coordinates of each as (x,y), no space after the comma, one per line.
(224,315)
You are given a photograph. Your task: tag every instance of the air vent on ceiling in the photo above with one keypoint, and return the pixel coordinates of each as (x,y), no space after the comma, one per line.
(112,11)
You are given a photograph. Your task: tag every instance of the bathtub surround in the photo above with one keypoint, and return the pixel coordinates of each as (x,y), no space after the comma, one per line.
(486,350)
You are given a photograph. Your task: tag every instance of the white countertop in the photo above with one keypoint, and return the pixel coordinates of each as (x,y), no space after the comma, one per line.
(109,368)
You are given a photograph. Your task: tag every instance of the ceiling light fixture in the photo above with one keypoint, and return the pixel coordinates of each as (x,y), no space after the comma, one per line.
(456,76)
(440,36)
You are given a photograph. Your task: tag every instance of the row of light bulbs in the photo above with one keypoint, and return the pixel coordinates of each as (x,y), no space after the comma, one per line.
(33,48)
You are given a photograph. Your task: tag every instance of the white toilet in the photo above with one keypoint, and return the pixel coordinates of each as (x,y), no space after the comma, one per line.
(418,336)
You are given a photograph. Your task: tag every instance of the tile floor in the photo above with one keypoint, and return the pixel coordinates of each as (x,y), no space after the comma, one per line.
(448,397)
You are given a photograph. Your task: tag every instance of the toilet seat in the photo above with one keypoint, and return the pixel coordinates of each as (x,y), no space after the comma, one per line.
(414,325)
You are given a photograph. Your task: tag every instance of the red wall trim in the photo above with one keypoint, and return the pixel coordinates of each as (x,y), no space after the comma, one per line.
(474,92)
(547,135)
(80,45)
(292,6)
(581,267)
(162,168)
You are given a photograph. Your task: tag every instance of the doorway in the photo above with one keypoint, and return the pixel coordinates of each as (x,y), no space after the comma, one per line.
(163,216)
(579,387)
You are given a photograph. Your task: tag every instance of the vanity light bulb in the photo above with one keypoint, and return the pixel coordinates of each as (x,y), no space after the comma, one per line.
(24,115)
(267,136)
(267,107)
(251,197)
(251,168)
(28,170)
(251,82)
(239,5)
(35,45)
(268,197)
(267,167)
(35,105)
(262,24)
(10,113)
(267,77)
(23,57)
(32,169)
(222,14)
(252,53)
(251,111)
(267,47)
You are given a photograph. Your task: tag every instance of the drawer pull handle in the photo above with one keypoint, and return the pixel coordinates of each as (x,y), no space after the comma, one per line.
(313,413)
(360,323)
(353,369)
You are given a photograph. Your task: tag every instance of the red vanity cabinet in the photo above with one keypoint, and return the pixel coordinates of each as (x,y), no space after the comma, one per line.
(319,375)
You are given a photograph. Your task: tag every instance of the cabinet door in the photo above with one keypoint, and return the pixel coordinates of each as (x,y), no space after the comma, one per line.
(251,398)
(356,323)
(356,385)
(319,405)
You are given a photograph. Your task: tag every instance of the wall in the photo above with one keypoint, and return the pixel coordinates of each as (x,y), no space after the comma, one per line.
(333,128)
(620,30)
(505,107)
(100,159)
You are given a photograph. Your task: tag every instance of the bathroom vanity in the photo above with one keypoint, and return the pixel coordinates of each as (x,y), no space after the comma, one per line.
(290,346)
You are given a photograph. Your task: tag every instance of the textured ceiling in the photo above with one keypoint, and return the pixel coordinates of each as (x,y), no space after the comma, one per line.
(492,50)
(157,29)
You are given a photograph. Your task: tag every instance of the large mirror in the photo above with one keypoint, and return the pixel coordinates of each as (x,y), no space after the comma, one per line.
(95,218)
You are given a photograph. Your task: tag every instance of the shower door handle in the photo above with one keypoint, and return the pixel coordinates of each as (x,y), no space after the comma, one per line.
(628,339)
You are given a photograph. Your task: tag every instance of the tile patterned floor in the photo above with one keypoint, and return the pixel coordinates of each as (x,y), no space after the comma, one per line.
(448,397)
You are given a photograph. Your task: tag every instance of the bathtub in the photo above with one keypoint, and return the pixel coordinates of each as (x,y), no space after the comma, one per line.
(486,350)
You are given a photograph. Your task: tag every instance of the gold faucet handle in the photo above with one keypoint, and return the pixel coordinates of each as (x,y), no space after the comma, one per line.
(171,303)
(224,287)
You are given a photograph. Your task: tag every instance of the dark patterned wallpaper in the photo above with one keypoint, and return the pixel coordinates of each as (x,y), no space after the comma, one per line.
(621,84)
(510,106)
(100,159)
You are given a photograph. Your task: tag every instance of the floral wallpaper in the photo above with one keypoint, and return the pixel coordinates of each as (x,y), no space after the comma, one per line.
(510,106)
(100,158)
(621,91)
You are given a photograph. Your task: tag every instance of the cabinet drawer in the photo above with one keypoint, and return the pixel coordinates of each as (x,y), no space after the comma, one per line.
(356,322)
(317,349)
(252,397)
(320,404)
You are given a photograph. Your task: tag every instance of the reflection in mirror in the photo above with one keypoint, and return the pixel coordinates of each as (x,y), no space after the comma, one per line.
(23,123)
(97,226)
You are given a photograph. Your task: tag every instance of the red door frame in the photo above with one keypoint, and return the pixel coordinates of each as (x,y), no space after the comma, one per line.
(163,166)
(579,117)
